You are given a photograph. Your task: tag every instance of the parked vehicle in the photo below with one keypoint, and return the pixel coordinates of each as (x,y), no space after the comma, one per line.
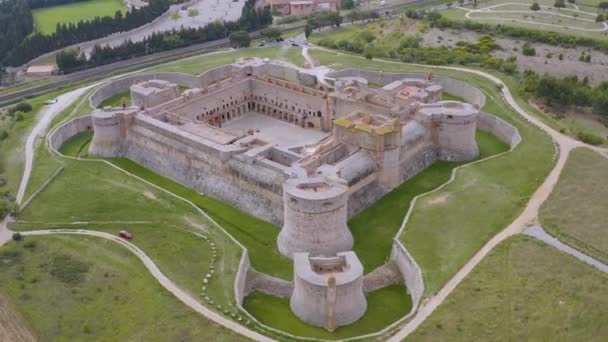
(125,235)
(50,102)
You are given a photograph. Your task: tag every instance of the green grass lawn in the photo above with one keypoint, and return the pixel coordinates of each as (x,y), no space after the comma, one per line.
(116,100)
(258,236)
(524,290)
(198,65)
(375,227)
(450,97)
(46,19)
(110,298)
(483,199)
(77,146)
(385,306)
(576,210)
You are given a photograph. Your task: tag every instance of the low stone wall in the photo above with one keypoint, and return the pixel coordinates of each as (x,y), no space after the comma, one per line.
(383,276)
(68,130)
(123,84)
(240,283)
(410,271)
(451,86)
(499,128)
(267,284)
(249,280)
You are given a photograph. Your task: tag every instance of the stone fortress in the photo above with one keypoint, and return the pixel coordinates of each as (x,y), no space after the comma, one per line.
(303,153)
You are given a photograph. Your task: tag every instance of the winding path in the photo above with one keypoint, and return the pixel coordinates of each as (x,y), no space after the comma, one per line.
(528,217)
(47,114)
(160,277)
(491,10)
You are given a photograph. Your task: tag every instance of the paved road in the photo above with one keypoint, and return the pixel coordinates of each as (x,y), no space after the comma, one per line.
(539,233)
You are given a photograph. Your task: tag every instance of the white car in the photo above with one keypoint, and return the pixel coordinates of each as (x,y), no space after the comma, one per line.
(50,102)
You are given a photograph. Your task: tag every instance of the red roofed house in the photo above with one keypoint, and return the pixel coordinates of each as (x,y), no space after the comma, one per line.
(299,7)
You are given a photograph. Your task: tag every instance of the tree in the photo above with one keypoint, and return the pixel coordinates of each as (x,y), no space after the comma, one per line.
(528,50)
(240,39)
(572,1)
(272,33)
(602,6)
(559,4)
(307,31)
(348,4)
(600,17)
(175,16)
(193,12)
(535,7)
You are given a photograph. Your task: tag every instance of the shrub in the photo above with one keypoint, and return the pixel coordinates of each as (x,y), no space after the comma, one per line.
(17,236)
(528,50)
(67,269)
(590,138)
(3,134)
(19,116)
(30,245)
(23,107)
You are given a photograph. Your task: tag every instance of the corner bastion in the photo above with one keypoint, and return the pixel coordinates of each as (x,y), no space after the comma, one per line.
(315,218)
(328,292)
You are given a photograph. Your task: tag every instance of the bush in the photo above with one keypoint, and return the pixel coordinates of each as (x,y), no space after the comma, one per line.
(590,138)
(23,107)
(3,134)
(17,236)
(240,39)
(30,245)
(19,116)
(528,50)
(67,269)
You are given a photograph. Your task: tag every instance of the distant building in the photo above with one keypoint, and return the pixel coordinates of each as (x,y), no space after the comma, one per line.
(291,7)
(42,70)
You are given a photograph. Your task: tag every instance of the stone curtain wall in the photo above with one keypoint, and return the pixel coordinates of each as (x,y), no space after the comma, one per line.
(499,128)
(68,130)
(450,85)
(124,84)
(410,271)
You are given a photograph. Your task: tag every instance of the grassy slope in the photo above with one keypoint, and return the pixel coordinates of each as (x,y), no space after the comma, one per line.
(46,19)
(483,199)
(385,306)
(258,236)
(384,218)
(13,326)
(117,300)
(524,290)
(198,65)
(116,100)
(576,210)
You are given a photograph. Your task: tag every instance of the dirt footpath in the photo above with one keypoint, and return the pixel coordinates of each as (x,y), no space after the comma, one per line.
(13,327)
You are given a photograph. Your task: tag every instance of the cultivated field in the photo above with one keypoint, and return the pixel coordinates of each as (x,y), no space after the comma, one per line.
(576,210)
(46,19)
(524,290)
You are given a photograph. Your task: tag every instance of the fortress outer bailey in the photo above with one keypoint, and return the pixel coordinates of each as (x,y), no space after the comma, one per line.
(302,153)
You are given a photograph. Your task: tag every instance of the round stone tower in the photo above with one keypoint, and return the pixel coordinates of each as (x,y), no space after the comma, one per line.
(454,126)
(328,292)
(109,127)
(314,218)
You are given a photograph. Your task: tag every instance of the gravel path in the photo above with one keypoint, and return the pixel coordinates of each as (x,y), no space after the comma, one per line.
(539,233)
(161,278)
(46,116)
